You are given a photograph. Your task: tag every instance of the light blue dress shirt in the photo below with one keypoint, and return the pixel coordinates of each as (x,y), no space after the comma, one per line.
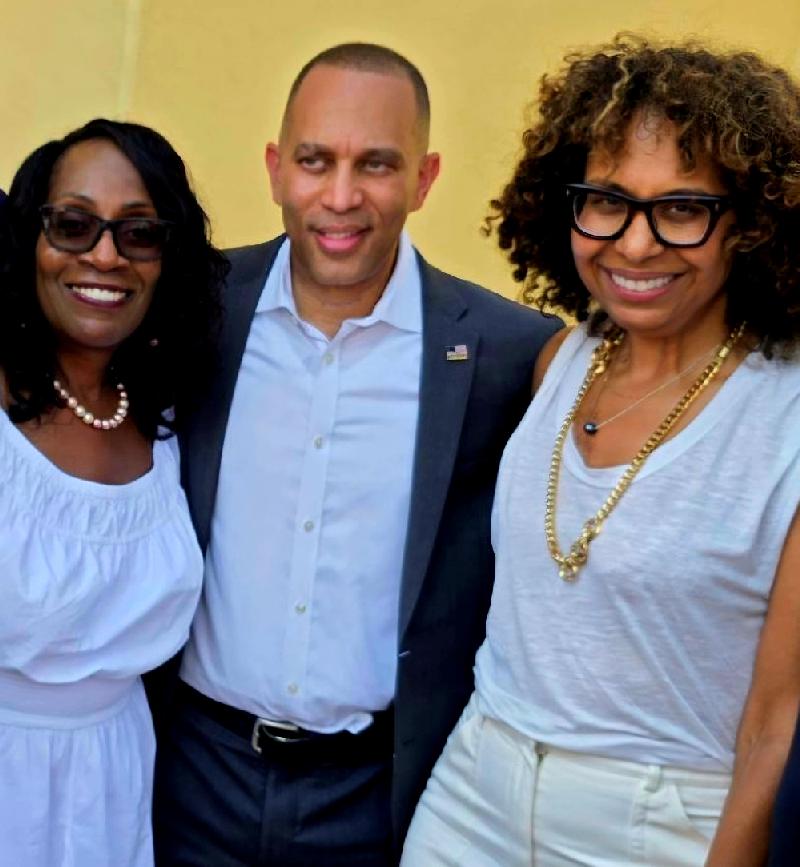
(299,614)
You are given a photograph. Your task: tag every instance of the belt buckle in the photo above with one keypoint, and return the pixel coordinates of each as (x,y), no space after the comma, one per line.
(259,729)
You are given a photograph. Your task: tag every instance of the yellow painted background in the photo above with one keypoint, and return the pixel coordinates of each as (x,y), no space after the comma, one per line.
(213,76)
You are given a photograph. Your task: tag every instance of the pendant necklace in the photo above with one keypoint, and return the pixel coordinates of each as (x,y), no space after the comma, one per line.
(571,562)
(592,427)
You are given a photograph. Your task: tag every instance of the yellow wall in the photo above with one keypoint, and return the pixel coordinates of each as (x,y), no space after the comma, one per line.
(57,70)
(213,77)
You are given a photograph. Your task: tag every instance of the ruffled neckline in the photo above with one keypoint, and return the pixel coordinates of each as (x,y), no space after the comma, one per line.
(33,484)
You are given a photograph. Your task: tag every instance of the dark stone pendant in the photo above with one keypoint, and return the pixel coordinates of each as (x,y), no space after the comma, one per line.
(590,428)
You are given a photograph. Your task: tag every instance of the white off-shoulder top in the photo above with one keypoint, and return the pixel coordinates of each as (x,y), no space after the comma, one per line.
(98,584)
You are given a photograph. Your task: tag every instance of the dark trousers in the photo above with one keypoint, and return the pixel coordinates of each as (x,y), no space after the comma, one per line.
(219,804)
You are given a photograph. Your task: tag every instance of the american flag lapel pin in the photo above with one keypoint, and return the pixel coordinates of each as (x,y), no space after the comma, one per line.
(459,352)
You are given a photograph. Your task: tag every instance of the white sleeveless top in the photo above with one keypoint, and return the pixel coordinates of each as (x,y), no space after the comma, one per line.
(648,656)
(98,584)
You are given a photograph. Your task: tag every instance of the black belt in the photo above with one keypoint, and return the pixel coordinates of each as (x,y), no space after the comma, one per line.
(285,740)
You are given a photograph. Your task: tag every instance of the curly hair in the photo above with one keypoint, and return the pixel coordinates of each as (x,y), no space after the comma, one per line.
(733,109)
(165,361)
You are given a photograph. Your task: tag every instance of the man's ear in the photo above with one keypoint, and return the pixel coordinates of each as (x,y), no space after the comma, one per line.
(272,157)
(428,172)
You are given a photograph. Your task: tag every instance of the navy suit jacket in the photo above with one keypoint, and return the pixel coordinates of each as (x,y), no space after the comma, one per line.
(467,411)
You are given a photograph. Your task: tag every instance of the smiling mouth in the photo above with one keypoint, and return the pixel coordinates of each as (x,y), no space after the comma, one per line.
(644,285)
(338,235)
(340,241)
(100,295)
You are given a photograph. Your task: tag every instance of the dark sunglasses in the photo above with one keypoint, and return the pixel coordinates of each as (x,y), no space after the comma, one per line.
(72,230)
(675,220)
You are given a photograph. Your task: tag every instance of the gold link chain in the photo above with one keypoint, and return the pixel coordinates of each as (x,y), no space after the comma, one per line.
(571,563)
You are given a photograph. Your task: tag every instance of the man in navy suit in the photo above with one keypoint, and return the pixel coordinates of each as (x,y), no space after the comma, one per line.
(341,477)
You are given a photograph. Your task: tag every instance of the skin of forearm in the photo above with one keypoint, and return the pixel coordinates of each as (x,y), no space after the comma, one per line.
(743,833)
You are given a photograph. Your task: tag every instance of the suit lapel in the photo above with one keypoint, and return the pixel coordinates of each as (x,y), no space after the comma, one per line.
(202,445)
(444,391)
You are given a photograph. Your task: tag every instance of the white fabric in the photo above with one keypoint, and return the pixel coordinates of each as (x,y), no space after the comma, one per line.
(99,583)
(648,655)
(299,615)
(499,799)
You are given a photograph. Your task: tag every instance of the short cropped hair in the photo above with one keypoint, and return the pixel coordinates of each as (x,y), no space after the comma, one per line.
(369,57)
(163,362)
(734,109)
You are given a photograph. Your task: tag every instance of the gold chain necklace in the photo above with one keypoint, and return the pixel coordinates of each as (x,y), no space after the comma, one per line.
(592,427)
(571,563)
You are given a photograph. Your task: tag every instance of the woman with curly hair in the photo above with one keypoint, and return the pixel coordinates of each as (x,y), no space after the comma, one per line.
(639,683)
(109,289)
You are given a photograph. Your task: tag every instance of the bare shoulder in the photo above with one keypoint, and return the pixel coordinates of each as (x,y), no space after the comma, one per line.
(547,354)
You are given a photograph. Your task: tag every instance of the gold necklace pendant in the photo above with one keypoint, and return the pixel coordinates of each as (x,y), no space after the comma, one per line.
(570,564)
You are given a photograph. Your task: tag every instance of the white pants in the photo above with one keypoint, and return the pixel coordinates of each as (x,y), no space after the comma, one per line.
(498,798)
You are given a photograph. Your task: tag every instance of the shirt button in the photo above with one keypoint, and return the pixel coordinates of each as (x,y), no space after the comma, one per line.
(292,688)
(300,608)
(652,780)
(328,358)
(308,526)
(319,442)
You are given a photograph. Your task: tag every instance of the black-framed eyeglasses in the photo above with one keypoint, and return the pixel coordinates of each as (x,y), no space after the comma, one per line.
(72,230)
(674,220)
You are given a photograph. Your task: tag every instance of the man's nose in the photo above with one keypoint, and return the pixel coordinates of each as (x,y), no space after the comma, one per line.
(343,191)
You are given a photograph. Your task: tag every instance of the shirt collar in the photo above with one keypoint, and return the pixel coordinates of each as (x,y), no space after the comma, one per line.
(399,305)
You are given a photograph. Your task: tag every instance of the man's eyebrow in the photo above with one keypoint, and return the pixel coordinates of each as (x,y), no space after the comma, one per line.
(310,148)
(392,156)
(389,155)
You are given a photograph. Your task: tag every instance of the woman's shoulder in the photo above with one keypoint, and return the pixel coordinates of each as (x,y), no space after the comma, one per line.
(547,354)
(775,378)
(570,339)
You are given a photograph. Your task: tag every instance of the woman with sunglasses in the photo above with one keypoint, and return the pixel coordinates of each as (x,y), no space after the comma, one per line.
(109,290)
(638,686)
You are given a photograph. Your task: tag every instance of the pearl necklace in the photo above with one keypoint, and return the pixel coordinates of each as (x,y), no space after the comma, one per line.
(571,562)
(87,417)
